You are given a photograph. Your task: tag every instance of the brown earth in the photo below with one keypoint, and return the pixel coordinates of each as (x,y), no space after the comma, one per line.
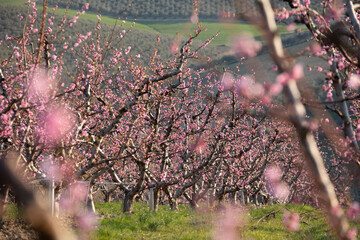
(16,229)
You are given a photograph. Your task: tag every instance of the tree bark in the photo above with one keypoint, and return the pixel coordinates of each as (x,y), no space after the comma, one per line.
(128,202)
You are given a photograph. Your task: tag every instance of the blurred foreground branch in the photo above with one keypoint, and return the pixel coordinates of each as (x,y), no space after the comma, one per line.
(35,214)
(298,118)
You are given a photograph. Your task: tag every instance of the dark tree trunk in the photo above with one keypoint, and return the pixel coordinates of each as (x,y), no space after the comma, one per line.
(172,202)
(128,203)
(156,199)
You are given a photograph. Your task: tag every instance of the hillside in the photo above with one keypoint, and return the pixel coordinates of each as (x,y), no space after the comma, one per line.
(142,42)
(168,9)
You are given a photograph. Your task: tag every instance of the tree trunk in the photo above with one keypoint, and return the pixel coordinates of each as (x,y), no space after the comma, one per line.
(156,199)
(172,202)
(128,203)
(4,193)
(90,206)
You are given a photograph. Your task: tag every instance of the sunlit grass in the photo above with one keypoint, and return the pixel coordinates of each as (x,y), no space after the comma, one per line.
(188,224)
(145,224)
(183,28)
(13,2)
(258,223)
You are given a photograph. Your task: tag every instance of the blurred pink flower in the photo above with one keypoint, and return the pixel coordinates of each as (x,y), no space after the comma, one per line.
(56,123)
(283,78)
(354,81)
(78,191)
(227,81)
(316,48)
(174,47)
(297,72)
(199,145)
(194,18)
(354,210)
(291,221)
(242,86)
(273,174)
(52,170)
(228,224)
(87,222)
(274,185)
(352,233)
(291,27)
(41,85)
(280,190)
(245,45)
(275,89)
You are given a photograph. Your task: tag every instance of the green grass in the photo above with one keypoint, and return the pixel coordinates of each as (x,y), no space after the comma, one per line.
(226,30)
(312,223)
(187,224)
(104,19)
(263,223)
(13,2)
(144,224)
(13,212)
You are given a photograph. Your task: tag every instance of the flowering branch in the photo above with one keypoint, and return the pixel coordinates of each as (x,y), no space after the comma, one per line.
(297,116)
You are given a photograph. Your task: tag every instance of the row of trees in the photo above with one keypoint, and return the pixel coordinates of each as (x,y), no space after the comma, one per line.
(163,125)
(177,129)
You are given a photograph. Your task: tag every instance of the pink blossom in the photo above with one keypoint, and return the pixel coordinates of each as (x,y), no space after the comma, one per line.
(243,85)
(57,122)
(245,45)
(227,81)
(275,89)
(354,210)
(79,191)
(194,18)
(297,72)
(275,186)
(87,221)
(291,27)
(273,174)
(352,233)
(256,90)
(316,48)
(199,145)
(274,67)
(283,78)
(174,47)
(52,170)
(354,81)
(228,224)
(41,85)
(291,221)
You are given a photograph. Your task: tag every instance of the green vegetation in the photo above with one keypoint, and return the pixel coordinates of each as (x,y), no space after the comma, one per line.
(169,27)
(145,224)
(13,2)
(226,30)
(262,223)
(258,223)
(266,223)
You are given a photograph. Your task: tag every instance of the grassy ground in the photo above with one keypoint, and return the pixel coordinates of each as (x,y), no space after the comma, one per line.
(226,30)
(187,224)
(258,223)
(144,224)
